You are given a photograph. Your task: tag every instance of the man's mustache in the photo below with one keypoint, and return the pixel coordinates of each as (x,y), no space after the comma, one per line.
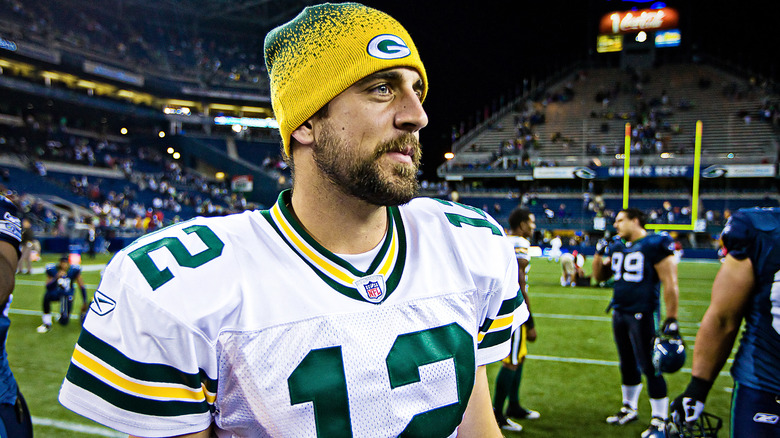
(405,144)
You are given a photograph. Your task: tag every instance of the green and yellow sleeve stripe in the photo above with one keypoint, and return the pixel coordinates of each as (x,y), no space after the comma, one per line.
(138,387)
(498,330)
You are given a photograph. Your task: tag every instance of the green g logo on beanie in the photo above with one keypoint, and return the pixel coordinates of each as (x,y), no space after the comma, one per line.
(388,47)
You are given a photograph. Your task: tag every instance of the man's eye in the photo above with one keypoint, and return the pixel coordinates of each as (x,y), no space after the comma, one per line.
(382,89)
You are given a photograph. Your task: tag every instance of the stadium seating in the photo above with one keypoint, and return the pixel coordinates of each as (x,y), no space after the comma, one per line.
(173,52)
(591,123)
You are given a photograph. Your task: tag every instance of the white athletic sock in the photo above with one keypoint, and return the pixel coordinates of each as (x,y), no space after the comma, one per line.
(631,395)
(46,318)
(660,407)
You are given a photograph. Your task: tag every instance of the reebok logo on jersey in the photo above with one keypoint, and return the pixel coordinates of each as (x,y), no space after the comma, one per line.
(102,304)
(388,47)
(761,417)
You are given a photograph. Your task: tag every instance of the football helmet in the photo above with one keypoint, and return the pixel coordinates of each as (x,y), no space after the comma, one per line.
(706,426)
(668,354)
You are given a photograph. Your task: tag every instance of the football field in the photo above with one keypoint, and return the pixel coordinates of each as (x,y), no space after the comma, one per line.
(570,377)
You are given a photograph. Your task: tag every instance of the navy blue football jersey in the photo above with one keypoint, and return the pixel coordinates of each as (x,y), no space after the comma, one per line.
(755,234)
(11,232)
(637,285)
(67,283)
(10,224)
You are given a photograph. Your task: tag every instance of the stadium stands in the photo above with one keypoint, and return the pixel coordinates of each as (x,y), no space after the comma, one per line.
(579,122)
(667,101)
(173,51)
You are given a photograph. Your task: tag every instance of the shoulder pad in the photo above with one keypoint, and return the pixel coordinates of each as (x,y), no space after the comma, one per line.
(7,206)
(763,219)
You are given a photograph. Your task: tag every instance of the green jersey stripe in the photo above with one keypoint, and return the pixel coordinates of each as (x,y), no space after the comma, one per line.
(507,308)
(509,305)
(289,218)
(157,373)
(348,291)
(139,405)
(495,338)
(396,271)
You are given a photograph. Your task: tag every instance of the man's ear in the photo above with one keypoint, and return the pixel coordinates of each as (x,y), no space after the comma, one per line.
(304,134)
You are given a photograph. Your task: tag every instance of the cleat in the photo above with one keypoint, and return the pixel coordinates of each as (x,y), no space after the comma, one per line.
(43,328)
(511,426)
(507,424)
(625,415)
(522,413)
(657,429)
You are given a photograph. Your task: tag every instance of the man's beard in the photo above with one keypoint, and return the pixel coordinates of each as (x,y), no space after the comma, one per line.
(363,177)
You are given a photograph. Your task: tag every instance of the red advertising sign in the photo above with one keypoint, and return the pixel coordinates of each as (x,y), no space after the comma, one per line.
(635,21)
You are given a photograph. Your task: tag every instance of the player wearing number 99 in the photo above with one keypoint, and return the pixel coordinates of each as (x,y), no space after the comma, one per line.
(640,263)
(350,308)
(747,286)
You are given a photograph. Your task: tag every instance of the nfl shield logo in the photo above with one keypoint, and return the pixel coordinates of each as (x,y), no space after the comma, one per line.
(372,288)
(373,291)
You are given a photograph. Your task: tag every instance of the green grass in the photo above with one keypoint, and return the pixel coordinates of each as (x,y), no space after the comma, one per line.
(570,375)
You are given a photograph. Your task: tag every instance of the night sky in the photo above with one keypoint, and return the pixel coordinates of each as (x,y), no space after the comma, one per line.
(476,51)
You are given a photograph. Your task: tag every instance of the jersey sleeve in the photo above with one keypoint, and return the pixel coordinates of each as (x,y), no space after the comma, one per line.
(136,367)
(522,248)
(10,224)
(505,311)
(738,235)
(665,247)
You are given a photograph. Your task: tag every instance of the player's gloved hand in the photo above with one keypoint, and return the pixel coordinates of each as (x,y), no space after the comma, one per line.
(689,405)
(601,246)
(671,328)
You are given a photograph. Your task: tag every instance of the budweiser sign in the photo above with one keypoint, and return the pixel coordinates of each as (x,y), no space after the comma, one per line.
(634,21)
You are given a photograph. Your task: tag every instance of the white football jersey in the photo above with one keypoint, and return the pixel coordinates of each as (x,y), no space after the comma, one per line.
(247,322)
(522,247)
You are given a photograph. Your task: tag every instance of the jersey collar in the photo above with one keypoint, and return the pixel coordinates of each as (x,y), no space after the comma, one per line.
(373,285)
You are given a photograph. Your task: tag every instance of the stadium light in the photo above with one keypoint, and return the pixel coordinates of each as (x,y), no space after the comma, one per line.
(123,131)
(170,150)
(161,134)
(449,155)
(176,155)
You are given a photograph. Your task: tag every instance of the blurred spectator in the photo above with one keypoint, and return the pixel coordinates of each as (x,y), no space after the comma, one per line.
(29,248)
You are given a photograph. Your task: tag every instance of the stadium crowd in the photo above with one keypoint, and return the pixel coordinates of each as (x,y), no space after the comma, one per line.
(168,50)
(149,189)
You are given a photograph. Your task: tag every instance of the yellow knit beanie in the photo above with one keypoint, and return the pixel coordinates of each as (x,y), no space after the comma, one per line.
(324,50)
